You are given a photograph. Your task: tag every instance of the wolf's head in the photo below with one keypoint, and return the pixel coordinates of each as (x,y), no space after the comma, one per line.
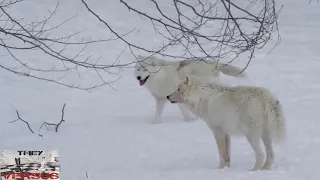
(180,95)
(144,68)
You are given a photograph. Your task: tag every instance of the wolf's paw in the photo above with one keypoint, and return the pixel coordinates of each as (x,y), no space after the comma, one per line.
(222,166)
(254,169)
(265,168)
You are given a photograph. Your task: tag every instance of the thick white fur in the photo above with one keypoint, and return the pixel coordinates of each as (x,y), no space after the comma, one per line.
(164,77)
(242,110)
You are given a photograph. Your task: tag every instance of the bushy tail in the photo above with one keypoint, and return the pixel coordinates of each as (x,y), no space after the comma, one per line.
(231,70)
(275,121)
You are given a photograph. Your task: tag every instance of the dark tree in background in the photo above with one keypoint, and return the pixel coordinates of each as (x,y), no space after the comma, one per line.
(202,29)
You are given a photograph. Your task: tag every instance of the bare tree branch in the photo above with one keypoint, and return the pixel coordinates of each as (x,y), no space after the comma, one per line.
(56,126)
(18,35)
(46,124)
(20,119)
(199,29)
(206,29)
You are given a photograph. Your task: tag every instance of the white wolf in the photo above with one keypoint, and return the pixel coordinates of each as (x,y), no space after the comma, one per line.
(162,77)
(241,110)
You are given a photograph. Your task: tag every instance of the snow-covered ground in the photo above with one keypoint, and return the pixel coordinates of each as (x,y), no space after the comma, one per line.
(108,132)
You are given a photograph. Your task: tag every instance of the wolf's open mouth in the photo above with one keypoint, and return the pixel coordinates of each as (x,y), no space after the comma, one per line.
(143,81)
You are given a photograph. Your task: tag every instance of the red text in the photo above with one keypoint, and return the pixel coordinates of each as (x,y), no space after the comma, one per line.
(23,175)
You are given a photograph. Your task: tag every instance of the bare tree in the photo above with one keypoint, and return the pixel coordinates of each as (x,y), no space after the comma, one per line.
(18,35)
(201,29)
(207,29)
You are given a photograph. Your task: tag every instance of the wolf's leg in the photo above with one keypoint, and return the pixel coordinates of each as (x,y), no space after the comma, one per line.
(220,137)
(159,109)
(269,150)
(228,144)
(253,138)
(188,116)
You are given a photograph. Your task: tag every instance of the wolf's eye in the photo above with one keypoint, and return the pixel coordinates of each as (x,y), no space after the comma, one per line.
(178,89)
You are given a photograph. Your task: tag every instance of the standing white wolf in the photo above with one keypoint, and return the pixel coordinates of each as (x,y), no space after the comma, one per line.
(162,77)
(241,110)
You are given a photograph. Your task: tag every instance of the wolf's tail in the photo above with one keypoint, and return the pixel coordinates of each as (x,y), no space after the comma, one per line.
(275,120)
(231,70)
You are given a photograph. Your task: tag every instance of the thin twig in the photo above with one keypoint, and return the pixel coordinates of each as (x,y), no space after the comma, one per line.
(20,119)
(53,124)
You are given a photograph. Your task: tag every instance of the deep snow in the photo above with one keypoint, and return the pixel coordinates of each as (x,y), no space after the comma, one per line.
(109,134)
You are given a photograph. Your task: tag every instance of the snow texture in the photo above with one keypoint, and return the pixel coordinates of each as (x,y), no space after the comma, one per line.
(108,133)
